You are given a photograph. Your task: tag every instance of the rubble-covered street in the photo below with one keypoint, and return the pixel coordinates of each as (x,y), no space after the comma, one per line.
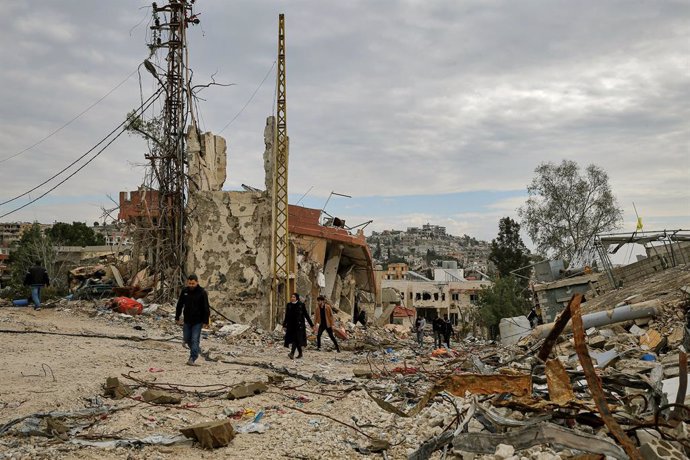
(381,396)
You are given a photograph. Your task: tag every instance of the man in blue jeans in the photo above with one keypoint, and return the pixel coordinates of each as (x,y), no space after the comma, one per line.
(36,277)
(193,305)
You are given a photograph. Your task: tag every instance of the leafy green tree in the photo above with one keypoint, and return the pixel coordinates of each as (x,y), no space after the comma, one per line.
(503,299)
(75,234)
(377,252)
(565,209)
(507,251)
(34,246)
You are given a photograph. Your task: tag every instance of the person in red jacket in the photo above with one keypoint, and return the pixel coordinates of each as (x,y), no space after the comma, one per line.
(193,305)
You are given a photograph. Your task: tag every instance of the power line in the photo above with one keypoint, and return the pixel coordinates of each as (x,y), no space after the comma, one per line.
(78,169)
(65,179)
(250,98)
(151,99)
(70,121)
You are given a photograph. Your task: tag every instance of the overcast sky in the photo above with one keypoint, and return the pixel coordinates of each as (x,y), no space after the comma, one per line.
(422,111)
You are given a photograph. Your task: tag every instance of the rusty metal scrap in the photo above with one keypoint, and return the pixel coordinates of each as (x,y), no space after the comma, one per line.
(483,384)
(546,433)
(412,412)
(558,327)
(594,383)
(560,389)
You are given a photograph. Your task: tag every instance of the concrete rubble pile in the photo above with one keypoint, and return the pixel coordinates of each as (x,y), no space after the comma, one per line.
(594,384)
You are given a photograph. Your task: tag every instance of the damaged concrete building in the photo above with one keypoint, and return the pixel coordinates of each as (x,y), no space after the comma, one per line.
(228,240)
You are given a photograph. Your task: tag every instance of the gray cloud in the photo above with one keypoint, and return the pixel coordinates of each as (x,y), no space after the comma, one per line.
(384,98)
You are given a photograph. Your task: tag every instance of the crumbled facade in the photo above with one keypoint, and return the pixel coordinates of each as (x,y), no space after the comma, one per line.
(228,240)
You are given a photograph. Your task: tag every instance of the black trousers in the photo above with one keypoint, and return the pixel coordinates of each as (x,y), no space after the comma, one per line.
(298,347)
(330,334)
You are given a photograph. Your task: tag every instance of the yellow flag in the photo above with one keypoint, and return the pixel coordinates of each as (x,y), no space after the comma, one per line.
(639,223)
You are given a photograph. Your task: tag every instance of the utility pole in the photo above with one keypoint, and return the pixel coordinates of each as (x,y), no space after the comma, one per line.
(280,291)
(167,158)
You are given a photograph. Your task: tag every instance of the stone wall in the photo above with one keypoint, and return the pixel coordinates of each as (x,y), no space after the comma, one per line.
(634,272)
(229,235)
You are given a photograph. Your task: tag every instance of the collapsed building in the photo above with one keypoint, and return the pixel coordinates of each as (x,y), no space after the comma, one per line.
(228,239)
(448,293)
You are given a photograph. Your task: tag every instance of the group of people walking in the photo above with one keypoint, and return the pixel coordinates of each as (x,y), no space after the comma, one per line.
(441,327)
(295,329)
(194,307)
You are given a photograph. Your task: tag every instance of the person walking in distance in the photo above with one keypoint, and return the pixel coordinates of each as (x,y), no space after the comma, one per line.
(324,319)
(447,330)
(36,278)
(419,325)
(193,305)
(295,330)
(437,327)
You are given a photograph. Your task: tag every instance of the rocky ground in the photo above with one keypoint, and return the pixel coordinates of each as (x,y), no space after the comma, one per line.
(325,406)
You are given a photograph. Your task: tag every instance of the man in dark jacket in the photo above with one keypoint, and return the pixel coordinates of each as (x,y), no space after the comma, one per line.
(193,304)
(447,330)
(437,326)
(36,277)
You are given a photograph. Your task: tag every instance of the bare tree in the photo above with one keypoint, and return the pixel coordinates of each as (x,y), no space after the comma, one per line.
(566,209)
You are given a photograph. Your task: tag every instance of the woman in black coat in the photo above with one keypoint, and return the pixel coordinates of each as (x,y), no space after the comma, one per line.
(295,330)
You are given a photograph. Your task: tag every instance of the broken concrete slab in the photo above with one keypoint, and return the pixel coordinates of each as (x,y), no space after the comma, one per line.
(363,373)
(658,449)
(160,397)
(116,390)
(233,330)
(211,435)
(246,390)
(597,342)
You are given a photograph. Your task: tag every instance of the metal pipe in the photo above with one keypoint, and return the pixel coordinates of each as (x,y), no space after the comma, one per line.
(607,317)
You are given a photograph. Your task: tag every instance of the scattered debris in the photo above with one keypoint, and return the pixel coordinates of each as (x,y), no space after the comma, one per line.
(211,435)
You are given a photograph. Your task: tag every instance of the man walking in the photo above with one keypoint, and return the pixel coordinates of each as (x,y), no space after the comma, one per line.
(447,330)
(193,305)
(36,277)
(324,319)
(438,326)
(419,325)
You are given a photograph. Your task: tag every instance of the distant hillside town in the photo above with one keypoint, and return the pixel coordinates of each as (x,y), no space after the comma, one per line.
(423,248)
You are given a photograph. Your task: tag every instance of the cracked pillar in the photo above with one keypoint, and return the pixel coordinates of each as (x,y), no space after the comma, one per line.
(331,270)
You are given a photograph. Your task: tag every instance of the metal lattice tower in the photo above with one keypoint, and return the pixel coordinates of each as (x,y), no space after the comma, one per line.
(281,244)
(168,159)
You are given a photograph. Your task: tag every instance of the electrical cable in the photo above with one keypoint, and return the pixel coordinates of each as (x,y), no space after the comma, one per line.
(70,121)
(152,99)
(81,167)
(250,98)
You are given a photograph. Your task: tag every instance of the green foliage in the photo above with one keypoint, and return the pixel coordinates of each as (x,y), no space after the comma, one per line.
(508,252)
(503,299)
(566,209)
(431,255)
(377,252)
(34,246)
(75,234)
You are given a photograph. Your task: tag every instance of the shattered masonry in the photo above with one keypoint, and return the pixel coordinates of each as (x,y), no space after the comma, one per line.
(229,242)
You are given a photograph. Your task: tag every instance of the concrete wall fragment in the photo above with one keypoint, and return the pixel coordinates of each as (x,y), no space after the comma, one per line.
(229,236)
